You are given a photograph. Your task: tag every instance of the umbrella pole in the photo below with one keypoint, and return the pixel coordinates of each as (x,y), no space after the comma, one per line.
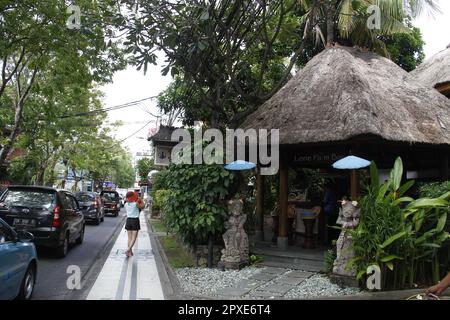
(354,184)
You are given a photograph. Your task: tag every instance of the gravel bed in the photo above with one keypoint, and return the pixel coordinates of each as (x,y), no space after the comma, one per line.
(206,282)
(318,286)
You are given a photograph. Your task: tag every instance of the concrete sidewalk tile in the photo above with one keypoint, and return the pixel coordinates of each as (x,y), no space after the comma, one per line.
(263,276)
(248,283)
(264,294)
(277,288)
(232,291)
(274,270)
(289,281)
(299,274)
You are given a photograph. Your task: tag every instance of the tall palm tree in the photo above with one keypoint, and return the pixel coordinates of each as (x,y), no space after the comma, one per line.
(348,18)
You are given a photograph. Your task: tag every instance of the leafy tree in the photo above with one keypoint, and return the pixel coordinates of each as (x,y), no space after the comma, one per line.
(144,166)
(233,52)
(34,39)
(406,49)
(237,54)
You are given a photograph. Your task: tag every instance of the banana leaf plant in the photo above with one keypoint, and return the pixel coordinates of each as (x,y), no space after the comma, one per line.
(400,234)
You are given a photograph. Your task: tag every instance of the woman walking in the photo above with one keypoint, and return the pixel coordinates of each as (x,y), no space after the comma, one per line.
(133,206)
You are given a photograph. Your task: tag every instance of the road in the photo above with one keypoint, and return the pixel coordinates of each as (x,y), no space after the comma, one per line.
(52,276)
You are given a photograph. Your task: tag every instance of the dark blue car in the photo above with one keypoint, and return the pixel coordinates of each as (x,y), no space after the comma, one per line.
(18,263)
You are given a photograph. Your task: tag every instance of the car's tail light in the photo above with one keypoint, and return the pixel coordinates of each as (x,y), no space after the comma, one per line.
(113,205)
(56,221)
(96,204)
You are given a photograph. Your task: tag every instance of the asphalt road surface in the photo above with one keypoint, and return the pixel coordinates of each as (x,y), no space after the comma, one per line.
(53,272)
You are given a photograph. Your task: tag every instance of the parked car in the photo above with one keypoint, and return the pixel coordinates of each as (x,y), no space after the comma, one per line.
(18,263)
(91,205)
(111,202)
(52,216)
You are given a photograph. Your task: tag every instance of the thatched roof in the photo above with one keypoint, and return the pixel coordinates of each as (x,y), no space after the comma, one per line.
(343,93)
(435,71)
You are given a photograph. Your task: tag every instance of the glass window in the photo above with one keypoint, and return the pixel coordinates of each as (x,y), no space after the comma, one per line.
(68,202)
(74,203)
(27,198)
(110,196)
(83,197)
(5,234)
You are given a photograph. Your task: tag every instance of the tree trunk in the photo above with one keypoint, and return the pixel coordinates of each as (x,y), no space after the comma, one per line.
(19,105)
(40,175)
(13,136)
(66,174)
(50,181)
(331,12)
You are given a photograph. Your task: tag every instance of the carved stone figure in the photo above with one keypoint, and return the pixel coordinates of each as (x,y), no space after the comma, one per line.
(235,254)
(349,219)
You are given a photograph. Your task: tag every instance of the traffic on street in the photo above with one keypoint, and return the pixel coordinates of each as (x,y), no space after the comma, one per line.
(54,244)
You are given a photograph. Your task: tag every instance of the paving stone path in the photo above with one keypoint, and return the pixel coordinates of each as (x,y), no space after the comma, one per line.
(270,282)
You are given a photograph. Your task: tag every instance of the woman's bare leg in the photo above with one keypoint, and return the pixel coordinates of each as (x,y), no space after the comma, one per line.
(134,234)
(130,239)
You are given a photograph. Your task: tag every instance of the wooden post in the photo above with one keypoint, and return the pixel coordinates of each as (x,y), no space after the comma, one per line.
(259,232)
(354,185)
(282,240)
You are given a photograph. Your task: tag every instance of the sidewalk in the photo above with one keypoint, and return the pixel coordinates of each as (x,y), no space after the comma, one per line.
(134,278)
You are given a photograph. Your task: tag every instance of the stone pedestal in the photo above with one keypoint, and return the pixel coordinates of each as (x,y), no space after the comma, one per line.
(344,281)
(236,252)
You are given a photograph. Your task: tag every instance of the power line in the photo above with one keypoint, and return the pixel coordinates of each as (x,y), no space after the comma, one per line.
(136,132)
(120,106)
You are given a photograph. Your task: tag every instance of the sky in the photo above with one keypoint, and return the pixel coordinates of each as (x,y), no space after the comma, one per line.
(131,85)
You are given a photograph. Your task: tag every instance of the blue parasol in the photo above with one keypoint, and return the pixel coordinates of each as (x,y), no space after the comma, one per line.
(351,162)
(240,165)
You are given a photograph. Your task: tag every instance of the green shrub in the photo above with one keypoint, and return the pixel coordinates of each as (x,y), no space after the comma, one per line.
(159,198)
(195,207)
(401,235)
(329,257)
(434,189)
(159,182)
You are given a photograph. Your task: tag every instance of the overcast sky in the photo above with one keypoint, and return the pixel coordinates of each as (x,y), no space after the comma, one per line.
(131,85)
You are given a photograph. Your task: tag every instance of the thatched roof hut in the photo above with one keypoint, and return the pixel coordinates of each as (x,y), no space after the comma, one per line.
(435,72)
(344,93)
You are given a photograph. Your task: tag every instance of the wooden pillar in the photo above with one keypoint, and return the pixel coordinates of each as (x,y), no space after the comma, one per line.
(282,240)
(443,167)
(259,232)
(354,184)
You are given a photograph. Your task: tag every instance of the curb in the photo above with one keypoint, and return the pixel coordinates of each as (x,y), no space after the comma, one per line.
(169,281)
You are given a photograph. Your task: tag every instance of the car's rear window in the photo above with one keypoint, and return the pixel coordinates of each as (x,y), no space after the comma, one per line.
(110,195)
(84,197)
(28,198)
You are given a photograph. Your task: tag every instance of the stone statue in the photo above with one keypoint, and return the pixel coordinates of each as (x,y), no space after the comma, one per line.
(236,252)
(349,219)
